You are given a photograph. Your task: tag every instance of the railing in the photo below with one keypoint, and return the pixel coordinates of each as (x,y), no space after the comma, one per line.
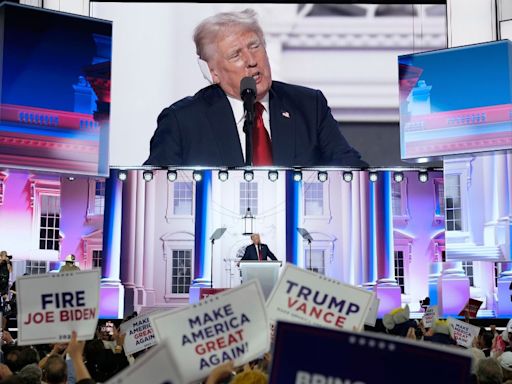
(48,118)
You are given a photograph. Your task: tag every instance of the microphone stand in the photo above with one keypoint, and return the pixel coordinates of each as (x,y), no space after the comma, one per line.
(248,128)
(310,266)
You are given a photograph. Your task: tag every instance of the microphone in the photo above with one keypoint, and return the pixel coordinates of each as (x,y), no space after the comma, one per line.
(248,89)
(248,96)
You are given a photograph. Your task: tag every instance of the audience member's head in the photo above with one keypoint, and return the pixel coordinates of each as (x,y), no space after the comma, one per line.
(489,371)
(506,335)
(31,374)
(55,370)
(397,322)
(485,339)
(28,355)
(440,333)
(476,356)
(12,359)
(253,376)
(505,361)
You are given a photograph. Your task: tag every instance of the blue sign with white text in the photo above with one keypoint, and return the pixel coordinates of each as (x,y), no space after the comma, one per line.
(311,355)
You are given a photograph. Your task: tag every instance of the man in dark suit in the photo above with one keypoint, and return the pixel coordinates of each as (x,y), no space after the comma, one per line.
(293,125)
(257,251)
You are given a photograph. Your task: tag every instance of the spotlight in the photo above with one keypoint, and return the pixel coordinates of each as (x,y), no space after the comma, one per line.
(398,176)
(223,175)
(147,175)
(373,176)
(273,175)
(71,178)
(197,175)
(172,175)
(423,176)
(248,175)
(348,176)
(297,175)
(122,175)
(322,176)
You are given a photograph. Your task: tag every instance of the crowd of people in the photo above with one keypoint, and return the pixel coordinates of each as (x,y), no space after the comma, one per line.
(100,359)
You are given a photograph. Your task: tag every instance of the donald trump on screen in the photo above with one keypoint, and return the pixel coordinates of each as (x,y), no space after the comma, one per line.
(292,126)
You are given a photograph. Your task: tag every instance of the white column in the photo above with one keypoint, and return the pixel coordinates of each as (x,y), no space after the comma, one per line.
(487,164)
(366,257)
(128,240)
(501,177)
(346,224)
(149,240)
(509,185)
(355,230)
(139,237)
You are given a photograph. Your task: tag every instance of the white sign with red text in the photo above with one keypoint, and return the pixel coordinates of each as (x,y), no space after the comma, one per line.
(230,325)
(139,334)
(302,296)
(156,366)
(430,316)
(462,332)
(51,306)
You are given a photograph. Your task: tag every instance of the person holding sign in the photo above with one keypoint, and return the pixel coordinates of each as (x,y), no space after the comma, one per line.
(257,250)
(440,333)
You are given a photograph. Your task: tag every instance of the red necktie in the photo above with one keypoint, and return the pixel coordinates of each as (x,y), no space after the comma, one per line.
(261,144)
(258,249)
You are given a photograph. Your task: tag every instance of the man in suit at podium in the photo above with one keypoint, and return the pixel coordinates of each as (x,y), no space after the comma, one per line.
(293,125)
(257,250)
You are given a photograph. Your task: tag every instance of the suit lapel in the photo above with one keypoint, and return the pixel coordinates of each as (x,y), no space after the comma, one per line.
(282,132)
(223,126)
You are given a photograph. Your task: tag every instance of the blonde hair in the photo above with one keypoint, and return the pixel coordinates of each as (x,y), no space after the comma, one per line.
(254,376)
(209,30)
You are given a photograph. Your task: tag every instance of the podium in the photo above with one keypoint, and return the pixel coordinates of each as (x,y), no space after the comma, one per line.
(266,272)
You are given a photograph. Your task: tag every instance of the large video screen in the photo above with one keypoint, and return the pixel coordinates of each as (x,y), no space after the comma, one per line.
(54,91)
(44,218)
(456,101)
(172,216)
(332,100)
(478,196)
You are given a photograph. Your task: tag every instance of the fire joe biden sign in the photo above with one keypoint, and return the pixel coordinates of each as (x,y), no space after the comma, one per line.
(50,306)
(302,296)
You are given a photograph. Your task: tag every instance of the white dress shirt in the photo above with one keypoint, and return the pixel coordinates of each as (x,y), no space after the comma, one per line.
(238,112)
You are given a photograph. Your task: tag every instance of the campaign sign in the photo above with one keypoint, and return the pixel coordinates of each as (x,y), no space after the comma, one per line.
(139,334)
(314,355)
(156,366)
(462,332)
(206,292)
(430,316)
(308,297)
(51,306)
(471,307)
(231,325)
